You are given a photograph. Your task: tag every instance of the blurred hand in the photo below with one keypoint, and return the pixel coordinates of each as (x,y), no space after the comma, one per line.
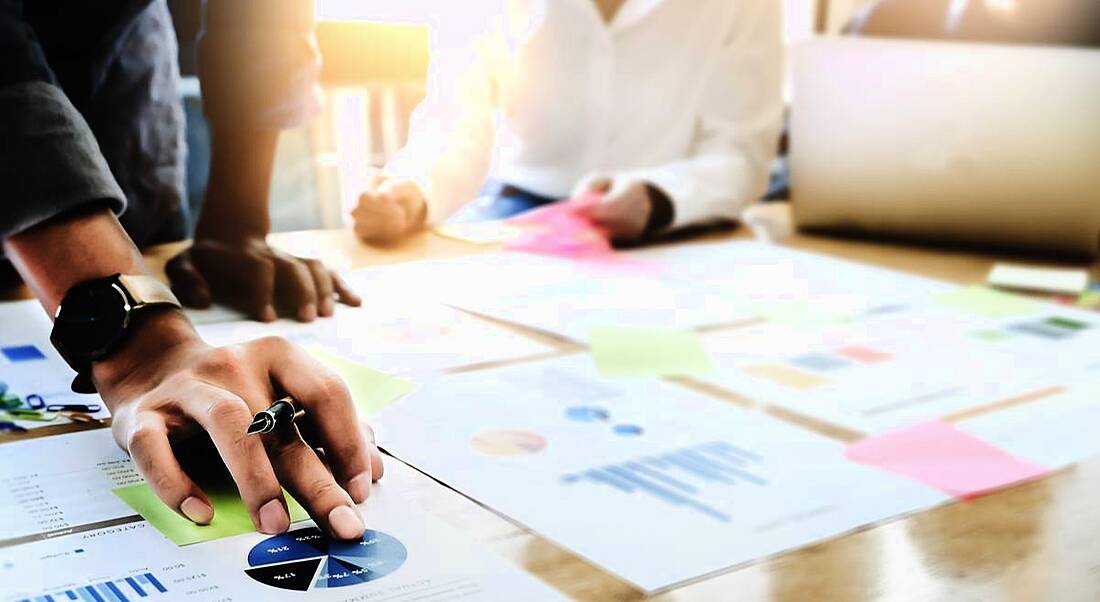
(389,210)
(166,386)
(624,209)
(248,274)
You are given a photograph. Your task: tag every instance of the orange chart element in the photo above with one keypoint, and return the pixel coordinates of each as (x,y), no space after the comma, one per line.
(508,443)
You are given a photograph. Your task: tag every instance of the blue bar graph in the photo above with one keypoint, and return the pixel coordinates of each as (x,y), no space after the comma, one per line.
(669,477)
(126,589)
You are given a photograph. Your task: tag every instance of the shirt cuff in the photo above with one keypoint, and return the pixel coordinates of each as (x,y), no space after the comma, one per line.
(50,161)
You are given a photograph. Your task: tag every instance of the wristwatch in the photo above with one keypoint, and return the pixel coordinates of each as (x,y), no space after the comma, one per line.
(95,317)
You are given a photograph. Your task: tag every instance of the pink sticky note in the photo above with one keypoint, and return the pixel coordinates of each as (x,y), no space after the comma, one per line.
(941,456)
(559,229)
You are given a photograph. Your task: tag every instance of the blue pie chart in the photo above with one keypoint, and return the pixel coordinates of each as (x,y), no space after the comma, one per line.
(306,559)
(587,414)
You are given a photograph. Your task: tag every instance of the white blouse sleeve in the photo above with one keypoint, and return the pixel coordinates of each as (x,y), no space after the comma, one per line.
(452,132)
(737,127)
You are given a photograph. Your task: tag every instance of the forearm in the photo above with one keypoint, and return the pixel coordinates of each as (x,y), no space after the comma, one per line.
(80,245)
(236,204)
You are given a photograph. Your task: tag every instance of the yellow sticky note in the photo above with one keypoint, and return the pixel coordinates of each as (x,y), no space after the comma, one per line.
(230,515)
(787,376)
(371,390)
(480,233)
(620,352)
(987,302)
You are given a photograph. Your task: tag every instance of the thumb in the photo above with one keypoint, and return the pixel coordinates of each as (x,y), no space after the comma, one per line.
(595,184)
(187,283)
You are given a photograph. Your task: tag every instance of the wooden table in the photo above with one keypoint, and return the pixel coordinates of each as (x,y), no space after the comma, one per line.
(1039,541)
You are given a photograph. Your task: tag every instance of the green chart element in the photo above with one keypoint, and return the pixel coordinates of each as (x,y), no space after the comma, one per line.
(987,302)
(640,352)
(371,390)
(230,515)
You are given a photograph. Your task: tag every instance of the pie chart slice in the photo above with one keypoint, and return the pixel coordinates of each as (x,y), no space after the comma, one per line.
(296,545)
(277,561)
(295,576)
(508,443)
(341,574)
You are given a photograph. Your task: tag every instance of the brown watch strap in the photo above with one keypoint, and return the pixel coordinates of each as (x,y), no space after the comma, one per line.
(146,290)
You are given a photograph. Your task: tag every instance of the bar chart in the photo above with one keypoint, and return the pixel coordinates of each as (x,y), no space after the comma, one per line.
(673,477)
(134,587)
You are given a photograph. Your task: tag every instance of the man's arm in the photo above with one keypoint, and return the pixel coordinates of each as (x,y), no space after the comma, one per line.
(163,384)
(258,67)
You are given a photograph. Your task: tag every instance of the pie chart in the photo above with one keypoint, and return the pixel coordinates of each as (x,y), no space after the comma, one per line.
(587,414)
(508,443)
(306,559)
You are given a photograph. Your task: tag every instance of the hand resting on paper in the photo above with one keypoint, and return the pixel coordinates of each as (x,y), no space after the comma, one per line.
(166,387)
(628,210)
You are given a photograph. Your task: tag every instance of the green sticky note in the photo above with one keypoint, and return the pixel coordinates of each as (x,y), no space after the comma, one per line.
(372,390)
(1089,299)
(987,302)
(230,515)
(622,352)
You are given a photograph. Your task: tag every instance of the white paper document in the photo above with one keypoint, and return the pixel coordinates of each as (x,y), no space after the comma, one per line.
(51,484)
(676,287)
(393,334)
(31,370)
(1056,431)
(567,298)
(404,556)
(649,480)
(1034,278)
(884,371)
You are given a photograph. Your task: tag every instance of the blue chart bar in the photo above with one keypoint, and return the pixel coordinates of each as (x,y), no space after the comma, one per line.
(668,477)
(119,590)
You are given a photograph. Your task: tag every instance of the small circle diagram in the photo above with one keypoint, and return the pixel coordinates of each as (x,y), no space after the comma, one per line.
(508,443)
(306,559)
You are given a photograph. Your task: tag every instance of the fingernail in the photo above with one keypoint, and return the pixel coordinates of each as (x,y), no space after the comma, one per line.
(327,307)
(267,314)
(359,487)
(273,518)
(345,523)
(198,511)
(308,312)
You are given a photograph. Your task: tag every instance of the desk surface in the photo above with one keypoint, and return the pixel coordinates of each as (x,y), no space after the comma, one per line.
(1039,541)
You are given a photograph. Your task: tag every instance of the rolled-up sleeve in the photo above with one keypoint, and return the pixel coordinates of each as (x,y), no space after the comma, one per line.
(259,63)
(50,162)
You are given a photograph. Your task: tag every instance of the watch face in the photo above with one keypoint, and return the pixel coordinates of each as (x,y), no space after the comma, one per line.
(91,318)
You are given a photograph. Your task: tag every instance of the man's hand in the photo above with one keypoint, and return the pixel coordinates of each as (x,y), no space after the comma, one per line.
(165,386)
(256,278)
(389,210)
(230,260)
(626,211)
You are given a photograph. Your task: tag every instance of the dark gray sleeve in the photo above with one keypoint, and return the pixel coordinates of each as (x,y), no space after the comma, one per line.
(49,160)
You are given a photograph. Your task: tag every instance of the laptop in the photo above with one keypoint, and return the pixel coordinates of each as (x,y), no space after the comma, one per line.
(976,144)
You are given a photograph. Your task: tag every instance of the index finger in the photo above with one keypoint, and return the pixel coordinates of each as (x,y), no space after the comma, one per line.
(330,412)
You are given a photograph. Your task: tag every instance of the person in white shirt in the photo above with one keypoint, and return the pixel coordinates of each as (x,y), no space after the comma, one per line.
(669,109)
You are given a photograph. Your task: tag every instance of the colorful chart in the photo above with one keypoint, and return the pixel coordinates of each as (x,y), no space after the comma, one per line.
(587,414)
(126,589)
(673,477)
(22,353)
(508,443)
(306,559)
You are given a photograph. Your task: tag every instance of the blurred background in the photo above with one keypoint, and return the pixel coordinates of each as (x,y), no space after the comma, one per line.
(376,57)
